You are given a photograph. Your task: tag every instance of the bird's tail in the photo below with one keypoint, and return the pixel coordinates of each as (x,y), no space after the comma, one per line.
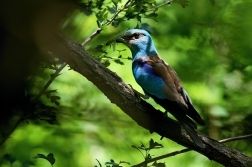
(194,114)
(192,133)
(189,127)
(181,115)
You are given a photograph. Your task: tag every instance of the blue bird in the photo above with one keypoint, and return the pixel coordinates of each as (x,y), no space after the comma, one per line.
(159,81)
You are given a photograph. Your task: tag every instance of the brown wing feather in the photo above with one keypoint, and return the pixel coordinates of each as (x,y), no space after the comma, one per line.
(173,86)
(173,89)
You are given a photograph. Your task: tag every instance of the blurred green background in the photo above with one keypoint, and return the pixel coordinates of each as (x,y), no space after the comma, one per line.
(210,48)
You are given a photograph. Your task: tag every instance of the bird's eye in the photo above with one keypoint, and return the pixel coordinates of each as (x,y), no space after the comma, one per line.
(137,35)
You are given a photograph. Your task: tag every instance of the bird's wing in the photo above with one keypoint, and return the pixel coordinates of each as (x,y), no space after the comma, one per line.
(173,88)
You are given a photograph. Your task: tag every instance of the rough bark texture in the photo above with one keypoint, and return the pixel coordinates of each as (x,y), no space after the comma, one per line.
(140,111)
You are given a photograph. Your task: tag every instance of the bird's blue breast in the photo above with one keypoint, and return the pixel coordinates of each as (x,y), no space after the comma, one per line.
(147,79)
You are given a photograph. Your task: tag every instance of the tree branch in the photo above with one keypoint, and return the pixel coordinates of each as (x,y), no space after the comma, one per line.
(140,111)
(187,150)
(53,76)
(13,123)
(91,36)
(235,138)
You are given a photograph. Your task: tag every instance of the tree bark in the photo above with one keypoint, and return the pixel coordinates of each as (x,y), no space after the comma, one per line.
(140,111)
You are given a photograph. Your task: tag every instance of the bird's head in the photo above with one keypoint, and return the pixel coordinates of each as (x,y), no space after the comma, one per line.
(139,41)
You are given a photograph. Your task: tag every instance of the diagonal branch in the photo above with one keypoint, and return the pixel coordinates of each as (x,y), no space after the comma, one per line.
(140,111)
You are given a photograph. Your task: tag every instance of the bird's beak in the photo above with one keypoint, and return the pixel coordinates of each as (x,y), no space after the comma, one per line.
(122,39)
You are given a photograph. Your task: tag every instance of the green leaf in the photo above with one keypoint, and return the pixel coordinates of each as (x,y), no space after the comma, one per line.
(104,27)
(99,3)
(154,145)
(50,158)
(118,61)
(54,99)
(130,10)
(49,92)
(102,15)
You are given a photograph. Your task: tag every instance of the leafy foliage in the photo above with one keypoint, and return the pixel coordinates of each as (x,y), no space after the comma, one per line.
(146,155)
(54,99)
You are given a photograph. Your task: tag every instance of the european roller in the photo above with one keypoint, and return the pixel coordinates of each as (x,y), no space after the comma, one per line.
(159,81)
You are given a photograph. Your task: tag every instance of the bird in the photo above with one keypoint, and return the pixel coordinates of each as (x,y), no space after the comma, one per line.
(160,82)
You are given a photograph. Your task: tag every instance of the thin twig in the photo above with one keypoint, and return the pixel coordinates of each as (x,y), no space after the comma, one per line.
(118,12)
(96,32)
(162,157)
(91,36)
(159,6)
(53,76)
(235,138)
(187,150)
